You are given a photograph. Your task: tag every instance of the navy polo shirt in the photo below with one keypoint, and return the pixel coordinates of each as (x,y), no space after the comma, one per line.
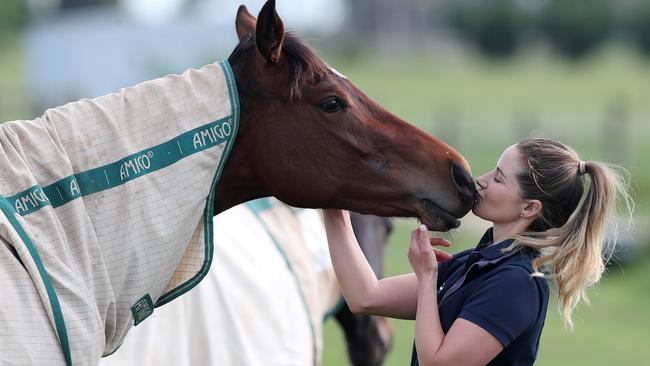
(495,291)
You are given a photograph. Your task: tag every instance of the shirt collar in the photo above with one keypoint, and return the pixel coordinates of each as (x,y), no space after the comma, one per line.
(491,251)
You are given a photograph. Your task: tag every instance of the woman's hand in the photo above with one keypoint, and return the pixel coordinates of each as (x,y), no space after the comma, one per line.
(422,256)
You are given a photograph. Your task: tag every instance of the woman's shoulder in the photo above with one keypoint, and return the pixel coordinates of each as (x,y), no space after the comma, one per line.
(521,257)
(517,271)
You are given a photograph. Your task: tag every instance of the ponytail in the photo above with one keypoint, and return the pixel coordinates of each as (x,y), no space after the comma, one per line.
(576,230)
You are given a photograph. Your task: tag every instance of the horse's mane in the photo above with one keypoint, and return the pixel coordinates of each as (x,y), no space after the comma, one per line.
(305,65)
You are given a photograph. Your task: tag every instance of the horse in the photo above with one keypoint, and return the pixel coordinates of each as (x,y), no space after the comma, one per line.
(341,140)
(107,202)
(265,299)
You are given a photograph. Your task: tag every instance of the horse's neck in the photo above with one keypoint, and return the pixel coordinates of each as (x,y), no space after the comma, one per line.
(232,191)
(238,183)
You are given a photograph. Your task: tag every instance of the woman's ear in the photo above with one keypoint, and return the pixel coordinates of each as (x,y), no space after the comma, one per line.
(532,208)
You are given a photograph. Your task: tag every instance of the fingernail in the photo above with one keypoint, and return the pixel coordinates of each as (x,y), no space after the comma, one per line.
(423,228)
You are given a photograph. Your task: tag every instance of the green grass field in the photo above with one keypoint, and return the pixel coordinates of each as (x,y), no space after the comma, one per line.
(600,106)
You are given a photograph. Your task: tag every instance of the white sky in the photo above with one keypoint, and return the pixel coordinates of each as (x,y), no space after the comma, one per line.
(314,15)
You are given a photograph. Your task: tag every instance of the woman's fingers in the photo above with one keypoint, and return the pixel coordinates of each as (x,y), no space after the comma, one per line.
(414,247)
(440,242)
(420,238)
(423,237)
(414,237)
(442,256)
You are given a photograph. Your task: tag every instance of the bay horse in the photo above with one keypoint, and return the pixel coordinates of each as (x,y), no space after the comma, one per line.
(107,203)
(311,138)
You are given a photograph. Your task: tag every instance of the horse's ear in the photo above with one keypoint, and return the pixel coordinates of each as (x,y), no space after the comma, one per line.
(244,22)
(270,33)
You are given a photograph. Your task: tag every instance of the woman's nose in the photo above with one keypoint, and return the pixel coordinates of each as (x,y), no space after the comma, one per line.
(480,182)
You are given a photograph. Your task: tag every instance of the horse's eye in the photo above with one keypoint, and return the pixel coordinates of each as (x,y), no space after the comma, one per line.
(331,104)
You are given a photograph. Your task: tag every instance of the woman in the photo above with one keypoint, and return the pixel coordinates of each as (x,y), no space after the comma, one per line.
(549,212)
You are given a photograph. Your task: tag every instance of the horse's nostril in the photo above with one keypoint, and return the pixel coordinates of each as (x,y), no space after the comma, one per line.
(463,180)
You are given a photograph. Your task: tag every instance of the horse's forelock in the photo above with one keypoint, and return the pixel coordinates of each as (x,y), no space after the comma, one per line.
(305,66)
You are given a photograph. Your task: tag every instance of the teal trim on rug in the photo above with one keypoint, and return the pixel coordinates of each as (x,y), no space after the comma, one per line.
(208,213)
(131,167)
(59,321)
(258,206)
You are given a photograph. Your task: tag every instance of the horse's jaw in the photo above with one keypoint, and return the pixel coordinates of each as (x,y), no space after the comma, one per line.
(436,218)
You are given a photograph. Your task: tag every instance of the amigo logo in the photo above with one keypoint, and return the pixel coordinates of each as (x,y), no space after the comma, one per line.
(74,188)
(31,200)
(135,165)
(212,135)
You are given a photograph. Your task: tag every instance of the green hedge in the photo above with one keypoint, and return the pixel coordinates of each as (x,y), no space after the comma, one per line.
(494,26)
(639,26)
(574,27)
(577,27)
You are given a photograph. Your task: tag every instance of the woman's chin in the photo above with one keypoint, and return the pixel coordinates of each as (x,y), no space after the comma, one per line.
(476,210)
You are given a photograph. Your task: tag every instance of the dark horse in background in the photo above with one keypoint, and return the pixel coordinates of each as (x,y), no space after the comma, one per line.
(368,338)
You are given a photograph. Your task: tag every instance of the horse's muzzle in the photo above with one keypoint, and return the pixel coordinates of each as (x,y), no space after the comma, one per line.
(465,185)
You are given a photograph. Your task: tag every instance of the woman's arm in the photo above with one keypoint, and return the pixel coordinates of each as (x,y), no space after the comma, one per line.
(406,295)
(466,343)
(394,297)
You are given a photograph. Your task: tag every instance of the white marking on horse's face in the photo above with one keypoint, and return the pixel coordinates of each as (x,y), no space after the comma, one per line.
(335,71)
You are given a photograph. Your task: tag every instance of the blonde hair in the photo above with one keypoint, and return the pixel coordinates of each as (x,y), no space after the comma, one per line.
(579,200)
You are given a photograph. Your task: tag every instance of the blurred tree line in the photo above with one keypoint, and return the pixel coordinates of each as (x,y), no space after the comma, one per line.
(575,28)
(498,28)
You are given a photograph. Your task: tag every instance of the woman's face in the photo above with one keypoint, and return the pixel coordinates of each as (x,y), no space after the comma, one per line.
(499,200)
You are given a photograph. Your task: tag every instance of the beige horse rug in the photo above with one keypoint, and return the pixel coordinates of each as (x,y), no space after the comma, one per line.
(106,212)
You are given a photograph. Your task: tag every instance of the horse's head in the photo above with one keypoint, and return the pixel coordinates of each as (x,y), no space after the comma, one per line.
(309,137)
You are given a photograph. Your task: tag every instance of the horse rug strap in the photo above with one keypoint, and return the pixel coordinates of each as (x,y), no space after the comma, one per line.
(107,209)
